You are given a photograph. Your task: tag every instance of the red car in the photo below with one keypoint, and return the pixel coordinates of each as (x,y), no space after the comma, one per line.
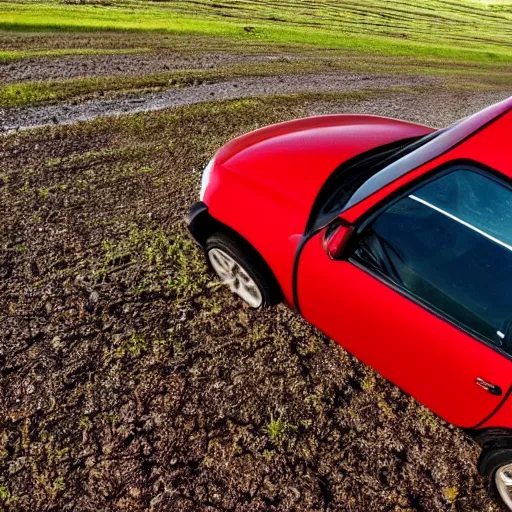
(392,238)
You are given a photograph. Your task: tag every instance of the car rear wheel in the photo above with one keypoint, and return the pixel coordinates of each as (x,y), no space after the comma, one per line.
(241,268)
(496,466)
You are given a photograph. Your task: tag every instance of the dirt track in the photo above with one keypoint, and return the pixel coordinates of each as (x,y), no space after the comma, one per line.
(30,117)
(127,383)
(51,68)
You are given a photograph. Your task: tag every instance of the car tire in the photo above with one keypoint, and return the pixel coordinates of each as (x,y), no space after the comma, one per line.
(495,465)
(250,277)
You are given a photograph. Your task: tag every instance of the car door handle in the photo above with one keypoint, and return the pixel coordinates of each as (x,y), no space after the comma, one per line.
(490,388)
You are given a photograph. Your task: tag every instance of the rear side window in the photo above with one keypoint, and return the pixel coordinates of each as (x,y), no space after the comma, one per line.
(449,245)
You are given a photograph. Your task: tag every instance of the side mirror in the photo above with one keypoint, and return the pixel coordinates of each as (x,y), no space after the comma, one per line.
(336,239)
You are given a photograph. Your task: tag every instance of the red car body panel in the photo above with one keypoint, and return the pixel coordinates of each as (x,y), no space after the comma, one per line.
(270,178)
(422,354)
(263,185)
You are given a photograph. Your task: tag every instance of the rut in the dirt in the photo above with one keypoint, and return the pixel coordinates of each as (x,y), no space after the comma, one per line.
(32,117)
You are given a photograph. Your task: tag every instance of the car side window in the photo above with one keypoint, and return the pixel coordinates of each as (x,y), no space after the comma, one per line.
(449,245)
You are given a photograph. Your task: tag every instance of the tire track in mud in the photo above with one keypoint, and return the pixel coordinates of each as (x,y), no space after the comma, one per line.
(68,113)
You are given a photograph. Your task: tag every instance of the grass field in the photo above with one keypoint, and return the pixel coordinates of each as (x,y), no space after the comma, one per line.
(465,39)
(443,28)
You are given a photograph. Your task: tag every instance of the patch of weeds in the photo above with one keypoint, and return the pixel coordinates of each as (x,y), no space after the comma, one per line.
(110,417)
(25,188)
(4,493)
(113,255)
(137,345)
(134,345)
(162,260)
(268,455)
(43,192)
(386,409)
(59,484)
(62,452)
(215,308)
(158,182)
(178,348)
(259,332)
(427,417)
(215,285)
(133,170)
(85,423)
(306,423)
(277,428)
(369,381)
(160,345)
(243,317)
(213,445)
(311,346)
(90,158)
(188,275)
(6,497)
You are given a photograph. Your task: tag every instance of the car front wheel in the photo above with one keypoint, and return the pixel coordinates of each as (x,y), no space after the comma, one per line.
(496,466)
(241,268)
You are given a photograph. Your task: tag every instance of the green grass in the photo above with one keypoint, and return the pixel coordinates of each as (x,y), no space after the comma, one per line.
(468,40)
(277,428)
(471,41)
(25,93)
(447,29)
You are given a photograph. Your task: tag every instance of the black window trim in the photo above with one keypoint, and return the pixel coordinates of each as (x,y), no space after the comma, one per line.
(368,217)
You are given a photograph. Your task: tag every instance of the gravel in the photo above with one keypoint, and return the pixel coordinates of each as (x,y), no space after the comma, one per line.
(437,110)
(67,113)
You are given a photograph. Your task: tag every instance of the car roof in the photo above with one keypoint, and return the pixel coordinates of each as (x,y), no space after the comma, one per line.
(437,144)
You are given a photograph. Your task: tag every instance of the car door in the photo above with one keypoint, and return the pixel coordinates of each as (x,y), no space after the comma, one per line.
(424,294)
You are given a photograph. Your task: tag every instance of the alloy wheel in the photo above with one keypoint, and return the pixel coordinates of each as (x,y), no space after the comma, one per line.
(232,274)
(503,480)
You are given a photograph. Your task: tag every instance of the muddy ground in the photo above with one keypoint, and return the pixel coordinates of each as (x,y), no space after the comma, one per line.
(129,382)
(78,66)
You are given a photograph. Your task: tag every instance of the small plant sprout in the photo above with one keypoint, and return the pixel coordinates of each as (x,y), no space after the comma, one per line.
(277,428)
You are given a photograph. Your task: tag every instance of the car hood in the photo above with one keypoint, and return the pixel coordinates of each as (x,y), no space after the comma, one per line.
(293,159)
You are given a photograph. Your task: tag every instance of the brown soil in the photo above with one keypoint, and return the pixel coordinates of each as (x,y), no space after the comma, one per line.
(67,67)
(128,383)
(115,40)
